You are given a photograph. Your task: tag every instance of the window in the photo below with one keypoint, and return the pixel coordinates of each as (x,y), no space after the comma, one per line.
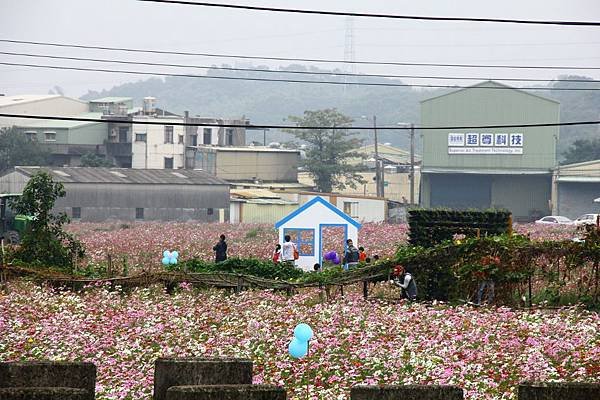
(180,139)
(304,239)
(76,212)
(207,136)
(168,162)
(123,132)
(210,211)
(351,208)
(194,140)
(140,137)
(168,134)
(139,213)
(31,135)
(229,137)
(50,136)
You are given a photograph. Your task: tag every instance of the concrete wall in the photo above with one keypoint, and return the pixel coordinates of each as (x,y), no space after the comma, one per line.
(363,209)
(264,165)
(264,213)
(152,153)
(53,106)
(575,199)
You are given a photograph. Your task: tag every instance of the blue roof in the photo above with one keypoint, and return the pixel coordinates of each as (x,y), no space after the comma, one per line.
(317,199)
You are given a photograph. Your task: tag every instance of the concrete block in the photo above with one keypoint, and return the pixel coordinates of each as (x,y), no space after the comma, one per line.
(43,393)
(63,374)
(199,371)
(406,392)
(558,391)
(226,392)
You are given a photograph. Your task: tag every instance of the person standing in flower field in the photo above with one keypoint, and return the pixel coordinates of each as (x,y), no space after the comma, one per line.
(351,255)
(220,249)
(277,254)
(404,280)
(362,256)
(289,252)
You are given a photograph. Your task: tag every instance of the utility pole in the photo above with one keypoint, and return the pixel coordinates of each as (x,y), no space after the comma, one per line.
(378,175)
(412,163)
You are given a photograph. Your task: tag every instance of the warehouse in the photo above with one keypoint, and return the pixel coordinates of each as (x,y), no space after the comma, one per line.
(576,186)
(99,194)
(490,167)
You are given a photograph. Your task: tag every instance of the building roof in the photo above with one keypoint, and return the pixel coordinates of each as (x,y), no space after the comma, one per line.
(29,98)
(315,200)
(111,99)
(489,83)
(352,196)
(126,175)
(587,165)
(393,154)
(254,149)
(57,124)
(483,171)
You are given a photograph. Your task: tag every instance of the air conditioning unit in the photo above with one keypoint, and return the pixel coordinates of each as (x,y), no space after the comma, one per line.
(113,132)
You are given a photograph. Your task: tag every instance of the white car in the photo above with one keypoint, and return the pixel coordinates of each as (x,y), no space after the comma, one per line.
(586,219)
(554,220)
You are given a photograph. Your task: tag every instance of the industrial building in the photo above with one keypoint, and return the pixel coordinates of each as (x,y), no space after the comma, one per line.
(575,186)
(489,167)
(48,104)
(99,194)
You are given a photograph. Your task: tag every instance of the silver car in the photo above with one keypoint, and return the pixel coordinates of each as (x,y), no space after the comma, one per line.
(554,220)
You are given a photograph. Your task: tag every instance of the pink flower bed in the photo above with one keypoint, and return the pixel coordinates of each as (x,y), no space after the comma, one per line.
(143,243)
(484,351)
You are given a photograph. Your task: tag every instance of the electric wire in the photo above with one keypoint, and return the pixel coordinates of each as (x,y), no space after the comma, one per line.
(319,60)
(296,127)
(371,15)
(237,78)
(206,67)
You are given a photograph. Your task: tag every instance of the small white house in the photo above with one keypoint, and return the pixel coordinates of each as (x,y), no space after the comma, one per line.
(305,225)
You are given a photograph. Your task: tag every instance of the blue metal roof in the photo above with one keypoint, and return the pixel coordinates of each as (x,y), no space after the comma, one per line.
(307,205)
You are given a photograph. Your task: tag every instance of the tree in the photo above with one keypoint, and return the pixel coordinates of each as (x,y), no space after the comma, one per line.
(328,149)
(45,242)
(582,150)
(94,160)
(16,149)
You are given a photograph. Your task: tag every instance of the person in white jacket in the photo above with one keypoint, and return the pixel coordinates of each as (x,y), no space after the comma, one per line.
(287,250)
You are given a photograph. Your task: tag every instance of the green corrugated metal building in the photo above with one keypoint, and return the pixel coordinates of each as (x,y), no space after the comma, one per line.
(491,167)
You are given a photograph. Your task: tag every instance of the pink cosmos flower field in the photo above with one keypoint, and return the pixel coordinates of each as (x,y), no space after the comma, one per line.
(486,351)
(142,244)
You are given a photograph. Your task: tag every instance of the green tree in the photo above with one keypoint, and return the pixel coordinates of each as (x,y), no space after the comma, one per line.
(16,149)
(582,150)
(329,149)
(94,160)
(45,242)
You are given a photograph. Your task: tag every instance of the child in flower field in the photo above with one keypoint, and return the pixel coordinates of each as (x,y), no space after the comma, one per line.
(404,280)
(362,256)
(277,254)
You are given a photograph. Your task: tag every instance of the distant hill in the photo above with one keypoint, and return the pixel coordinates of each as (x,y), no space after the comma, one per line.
(271,102)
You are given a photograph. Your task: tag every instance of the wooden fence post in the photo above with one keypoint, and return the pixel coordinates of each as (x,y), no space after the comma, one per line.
(365,289)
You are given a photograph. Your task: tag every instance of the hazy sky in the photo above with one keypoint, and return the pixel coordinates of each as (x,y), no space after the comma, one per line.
(128,23)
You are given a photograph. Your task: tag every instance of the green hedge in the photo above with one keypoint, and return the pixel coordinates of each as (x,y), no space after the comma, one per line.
(248,266)
(429,227)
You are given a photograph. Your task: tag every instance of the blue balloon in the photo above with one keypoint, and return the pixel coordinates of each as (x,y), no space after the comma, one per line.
(172,261)
(175,254)
(166,254)
(165,261)
(303,332)
(297,348)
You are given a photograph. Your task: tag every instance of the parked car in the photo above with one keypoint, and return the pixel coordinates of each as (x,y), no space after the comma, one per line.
(554,220)
(586,219)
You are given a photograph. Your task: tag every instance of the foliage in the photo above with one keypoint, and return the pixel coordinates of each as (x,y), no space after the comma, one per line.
(328,149)
(582,150)
(16,149)
(45,242)
(95,160)
(249,266)
(432,226)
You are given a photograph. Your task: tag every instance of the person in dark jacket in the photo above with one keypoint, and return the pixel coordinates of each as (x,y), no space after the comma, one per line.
(404,280)
(220,250)
(351,255)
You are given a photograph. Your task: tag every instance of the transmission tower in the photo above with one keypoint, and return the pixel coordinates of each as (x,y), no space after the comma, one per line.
(349,55)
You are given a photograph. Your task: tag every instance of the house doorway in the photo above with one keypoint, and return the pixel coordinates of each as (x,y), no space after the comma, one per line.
(333,238)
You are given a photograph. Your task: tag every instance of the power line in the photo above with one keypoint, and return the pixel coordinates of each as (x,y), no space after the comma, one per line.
(295,127)
(118,71)
(369,15)
(345,74)
(183,53)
